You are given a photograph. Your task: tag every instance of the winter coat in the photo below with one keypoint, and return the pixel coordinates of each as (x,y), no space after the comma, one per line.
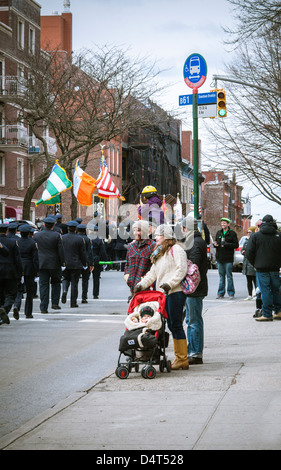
(50,249)
(146,211)
(247,269)
(169,268)
(225,254)
(198,255)
(154,323)
(264,248)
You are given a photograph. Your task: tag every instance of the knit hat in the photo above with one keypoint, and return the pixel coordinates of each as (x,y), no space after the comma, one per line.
(165,230)
(253,229)
(142,225)
(190,223)
(146,311)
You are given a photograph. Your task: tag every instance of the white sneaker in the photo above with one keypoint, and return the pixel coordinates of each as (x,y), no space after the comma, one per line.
(249,297)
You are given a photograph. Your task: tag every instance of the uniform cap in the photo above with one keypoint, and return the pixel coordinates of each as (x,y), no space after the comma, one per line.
(49,220)
(25,228)
(81,226)
(72,223)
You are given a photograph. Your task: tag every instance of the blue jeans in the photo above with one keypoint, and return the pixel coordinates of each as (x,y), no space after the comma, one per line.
(195,327)
(225,270)
(269,285)
(174,307)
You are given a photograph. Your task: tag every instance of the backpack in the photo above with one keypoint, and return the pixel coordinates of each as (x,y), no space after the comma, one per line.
(191,281)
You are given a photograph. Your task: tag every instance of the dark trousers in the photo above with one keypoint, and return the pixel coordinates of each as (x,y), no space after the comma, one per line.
(71,277)
(96,280)
(30,290)
(174,306)
(47,276)
(85,283)
(8,293)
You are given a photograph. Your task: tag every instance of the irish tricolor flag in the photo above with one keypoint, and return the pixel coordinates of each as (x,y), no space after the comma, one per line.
(56,183)
(83,186)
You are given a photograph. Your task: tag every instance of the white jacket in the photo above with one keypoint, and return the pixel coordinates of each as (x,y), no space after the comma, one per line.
(154,323)
(171,268)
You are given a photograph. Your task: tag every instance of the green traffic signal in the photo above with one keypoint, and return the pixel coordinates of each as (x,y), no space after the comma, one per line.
(221,103)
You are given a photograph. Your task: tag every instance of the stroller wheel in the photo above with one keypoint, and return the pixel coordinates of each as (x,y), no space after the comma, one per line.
(169,366)
(162,365)
(122,372)
(148,372)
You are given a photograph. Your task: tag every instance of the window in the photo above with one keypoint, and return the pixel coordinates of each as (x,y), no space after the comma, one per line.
(20,34)
(2,170)
(20,173)
(31,174)
(31,41)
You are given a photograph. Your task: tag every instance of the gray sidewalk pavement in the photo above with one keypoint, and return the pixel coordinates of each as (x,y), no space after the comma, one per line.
(231,402)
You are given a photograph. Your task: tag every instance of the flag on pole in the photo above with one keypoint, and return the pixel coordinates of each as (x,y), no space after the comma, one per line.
(53,201)
(106,188)
(191,205)
(83,186)
(56,183)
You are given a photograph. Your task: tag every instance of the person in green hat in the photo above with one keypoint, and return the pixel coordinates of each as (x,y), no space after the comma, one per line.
(226,242)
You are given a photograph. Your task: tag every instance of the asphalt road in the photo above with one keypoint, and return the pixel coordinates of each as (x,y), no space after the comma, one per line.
(46,359)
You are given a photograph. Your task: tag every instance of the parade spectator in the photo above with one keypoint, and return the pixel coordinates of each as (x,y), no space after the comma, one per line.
(226,242)
(196,250)
(247,269)
(264,253)
(168,269)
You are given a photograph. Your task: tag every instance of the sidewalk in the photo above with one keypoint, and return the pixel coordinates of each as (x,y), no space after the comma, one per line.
(232,401)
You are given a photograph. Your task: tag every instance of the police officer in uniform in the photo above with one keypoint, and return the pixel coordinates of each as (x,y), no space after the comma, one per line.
(81,230)
(11,271)
(12,229)
(60,225)
(29,256)
(51,259)
(75,261)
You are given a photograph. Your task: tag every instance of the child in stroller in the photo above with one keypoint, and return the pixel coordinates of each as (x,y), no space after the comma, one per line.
(145,338)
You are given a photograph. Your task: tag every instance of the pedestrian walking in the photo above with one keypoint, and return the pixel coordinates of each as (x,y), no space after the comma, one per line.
(29,256)
(11,272)
(247,269)
(138,260)
(264,253)
(85,273)
(99,254)
(75,261)
(169,267)
(196,251)
(51,259)
(12,230)
(226,242)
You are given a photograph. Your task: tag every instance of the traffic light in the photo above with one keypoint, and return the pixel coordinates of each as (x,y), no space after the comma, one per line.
(221,103)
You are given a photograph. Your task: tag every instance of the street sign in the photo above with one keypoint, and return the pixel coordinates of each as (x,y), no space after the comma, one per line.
(207,110)
(195,71)
(202,98)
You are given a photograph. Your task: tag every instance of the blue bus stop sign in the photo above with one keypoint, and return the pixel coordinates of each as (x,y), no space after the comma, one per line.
(195,71)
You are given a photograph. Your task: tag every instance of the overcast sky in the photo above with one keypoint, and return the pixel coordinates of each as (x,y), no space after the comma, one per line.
(167,31)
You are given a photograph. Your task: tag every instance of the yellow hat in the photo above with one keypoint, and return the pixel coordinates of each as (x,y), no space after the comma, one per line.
(149,189)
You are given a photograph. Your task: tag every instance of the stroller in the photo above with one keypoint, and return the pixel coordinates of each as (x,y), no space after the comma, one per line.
(133,353)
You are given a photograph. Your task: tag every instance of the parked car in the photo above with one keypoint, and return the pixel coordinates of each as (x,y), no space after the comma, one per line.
(238,257)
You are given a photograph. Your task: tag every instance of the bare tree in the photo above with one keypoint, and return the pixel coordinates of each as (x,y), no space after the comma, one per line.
(95,96)
(249,139)
(254,18)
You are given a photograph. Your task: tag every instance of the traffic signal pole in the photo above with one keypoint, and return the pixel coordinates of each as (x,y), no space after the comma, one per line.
(195,153)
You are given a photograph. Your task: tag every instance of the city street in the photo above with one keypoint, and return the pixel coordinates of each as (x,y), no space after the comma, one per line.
(53,356)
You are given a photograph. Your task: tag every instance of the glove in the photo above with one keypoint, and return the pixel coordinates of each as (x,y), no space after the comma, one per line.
(137,288)
(165,288)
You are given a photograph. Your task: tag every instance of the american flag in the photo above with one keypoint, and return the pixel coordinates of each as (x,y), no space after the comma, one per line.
(191,205)
(106,188)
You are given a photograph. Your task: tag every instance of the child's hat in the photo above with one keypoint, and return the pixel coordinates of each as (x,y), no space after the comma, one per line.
(146,311)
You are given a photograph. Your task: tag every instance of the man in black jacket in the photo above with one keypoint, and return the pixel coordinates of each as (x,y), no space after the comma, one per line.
(51,259)
(264,253)
(11,271)
(226,242)
(196,250)
(75,261)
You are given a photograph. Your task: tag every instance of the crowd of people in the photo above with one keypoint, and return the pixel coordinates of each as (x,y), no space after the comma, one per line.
(153,255)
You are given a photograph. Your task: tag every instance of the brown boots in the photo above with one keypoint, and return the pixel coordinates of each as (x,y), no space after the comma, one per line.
(180,361)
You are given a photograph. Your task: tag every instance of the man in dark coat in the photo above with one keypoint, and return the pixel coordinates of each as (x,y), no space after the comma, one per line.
(226,242)
(196,251)
(51,259)
(264,253)
(75,261)
(99,254)
(85,273)
(29,256)
(11,271)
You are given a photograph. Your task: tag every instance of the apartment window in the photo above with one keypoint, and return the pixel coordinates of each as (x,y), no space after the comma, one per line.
(20,173)
(117,161)
(31,174)
(2,170)
(31,41)
(20,34)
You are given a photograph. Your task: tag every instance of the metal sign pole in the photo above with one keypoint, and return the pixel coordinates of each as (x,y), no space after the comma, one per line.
(195,153)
